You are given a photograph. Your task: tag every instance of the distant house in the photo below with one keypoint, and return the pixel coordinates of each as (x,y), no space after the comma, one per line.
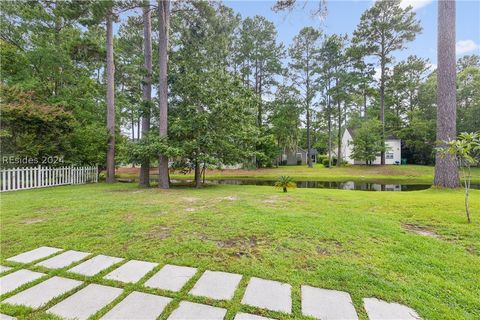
(393,155)
(297,156)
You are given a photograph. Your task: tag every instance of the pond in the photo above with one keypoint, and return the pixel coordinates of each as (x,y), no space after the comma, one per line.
(345,185)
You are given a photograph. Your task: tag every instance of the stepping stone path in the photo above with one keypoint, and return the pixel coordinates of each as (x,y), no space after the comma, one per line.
(195,311)
(382,310)
(63,260)
(247,316)
(17,279)
(95,265)
(268,294)
(86,302)
(4,269)
(138,305)
(132,271)
(34,255)
(171,278)
(217,285)
(327,304)
(42,293)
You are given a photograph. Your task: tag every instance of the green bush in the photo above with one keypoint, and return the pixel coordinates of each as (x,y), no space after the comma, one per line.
(321,157)
(325,162)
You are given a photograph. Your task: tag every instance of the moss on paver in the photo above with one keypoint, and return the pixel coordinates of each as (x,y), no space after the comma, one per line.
(351,241)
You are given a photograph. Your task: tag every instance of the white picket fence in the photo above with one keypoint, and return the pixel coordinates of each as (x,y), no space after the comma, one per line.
(41,177)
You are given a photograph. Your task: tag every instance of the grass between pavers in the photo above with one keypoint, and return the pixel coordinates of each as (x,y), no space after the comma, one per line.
(360,242)
(412,174)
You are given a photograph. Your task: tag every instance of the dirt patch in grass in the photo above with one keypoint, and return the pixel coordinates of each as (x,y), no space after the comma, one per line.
(238,242)
(158,232)
(242,246)
(420,230)
(190,199)
(129,217)
(229,198)
(33,221)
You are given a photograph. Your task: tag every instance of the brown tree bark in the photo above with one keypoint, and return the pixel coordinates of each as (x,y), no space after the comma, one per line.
(446,171)
(198,175)
(147,87)
(382,105)
(163,27)
(110,101)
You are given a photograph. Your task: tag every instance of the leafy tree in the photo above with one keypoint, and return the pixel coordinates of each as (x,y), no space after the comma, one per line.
(304,54)
(384,28)
(466,151)
(259,59)
(402,87)
(446,171)
(285,118)
(368,142)
(212,118)
(468,93)
(339,83)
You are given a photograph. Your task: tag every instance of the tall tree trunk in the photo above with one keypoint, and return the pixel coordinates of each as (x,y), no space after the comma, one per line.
(446,171)
(198,175)
(309,143)
(163,27)
(329,135)
(110,101)
(308,100)
(382,105)
(58,44)
(339,135)
(147,88)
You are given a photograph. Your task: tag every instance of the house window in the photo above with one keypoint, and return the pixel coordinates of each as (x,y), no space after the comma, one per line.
(299,156)
(284,157)
(389,155)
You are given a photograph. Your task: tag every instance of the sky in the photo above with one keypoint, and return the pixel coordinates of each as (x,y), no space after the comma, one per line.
(344,16)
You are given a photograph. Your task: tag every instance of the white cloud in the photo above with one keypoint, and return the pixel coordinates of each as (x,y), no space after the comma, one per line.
(464,46)
(416,4)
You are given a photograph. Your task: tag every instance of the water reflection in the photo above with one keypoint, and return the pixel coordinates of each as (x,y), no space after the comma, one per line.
(345,185)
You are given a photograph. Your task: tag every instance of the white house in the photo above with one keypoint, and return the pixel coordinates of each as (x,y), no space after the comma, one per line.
(393,155)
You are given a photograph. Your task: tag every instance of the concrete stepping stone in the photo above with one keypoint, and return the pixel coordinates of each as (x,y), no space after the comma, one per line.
(4,269)
(86,302)
(138,306)
(382,310)
(17,279)
(195,311)
(63,260)
(95,265)
(216,285)
(327,304)
(171,278)
(247,316)
(34,255)
(268,294)
(5,317)
(132,271)
(42,293)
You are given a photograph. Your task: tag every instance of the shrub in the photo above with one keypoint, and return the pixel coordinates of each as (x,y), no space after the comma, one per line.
(321,157)
(285,182)
(325,162)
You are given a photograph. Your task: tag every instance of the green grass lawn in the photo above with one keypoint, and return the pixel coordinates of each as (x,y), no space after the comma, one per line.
(405,174)
(366,243)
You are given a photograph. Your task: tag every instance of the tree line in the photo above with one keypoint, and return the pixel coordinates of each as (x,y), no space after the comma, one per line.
(191,84)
